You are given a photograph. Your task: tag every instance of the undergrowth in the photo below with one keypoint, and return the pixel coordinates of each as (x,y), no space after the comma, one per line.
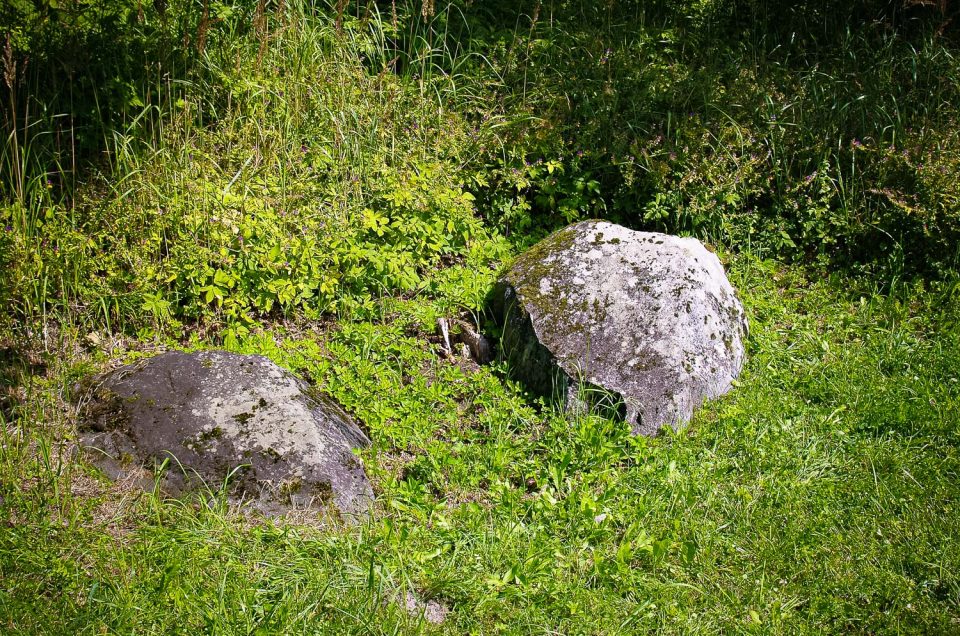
(319,184)
(819,496)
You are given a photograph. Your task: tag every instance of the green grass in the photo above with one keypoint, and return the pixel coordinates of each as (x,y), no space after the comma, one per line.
(321,194)
(819,496)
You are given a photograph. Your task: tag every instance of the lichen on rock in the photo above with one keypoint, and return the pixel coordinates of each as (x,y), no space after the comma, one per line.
(644,316)
(218,418)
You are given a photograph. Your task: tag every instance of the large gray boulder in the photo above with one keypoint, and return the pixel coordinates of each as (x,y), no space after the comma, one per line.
(649,319)
(215,414)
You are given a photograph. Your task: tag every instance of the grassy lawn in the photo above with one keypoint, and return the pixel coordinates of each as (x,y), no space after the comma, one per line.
(821,495)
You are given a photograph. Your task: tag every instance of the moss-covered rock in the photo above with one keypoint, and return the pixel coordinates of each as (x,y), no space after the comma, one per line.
(221,417)
(649,319)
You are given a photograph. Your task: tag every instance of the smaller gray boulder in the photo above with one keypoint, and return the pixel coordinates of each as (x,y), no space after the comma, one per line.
(216,415)
(649,319)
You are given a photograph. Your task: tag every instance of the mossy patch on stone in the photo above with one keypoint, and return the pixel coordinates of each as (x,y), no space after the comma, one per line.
(637,314)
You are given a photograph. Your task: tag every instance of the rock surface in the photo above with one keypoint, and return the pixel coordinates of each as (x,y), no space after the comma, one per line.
(432,611)
(218,414)
(649,318)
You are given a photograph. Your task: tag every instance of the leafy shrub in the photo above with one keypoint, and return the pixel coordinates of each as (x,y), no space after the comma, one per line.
(697,181)
(249,258)
(519,192)
(749,122)
(318,187)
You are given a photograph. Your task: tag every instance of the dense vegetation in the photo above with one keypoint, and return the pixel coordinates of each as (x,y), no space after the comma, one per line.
(319,183)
